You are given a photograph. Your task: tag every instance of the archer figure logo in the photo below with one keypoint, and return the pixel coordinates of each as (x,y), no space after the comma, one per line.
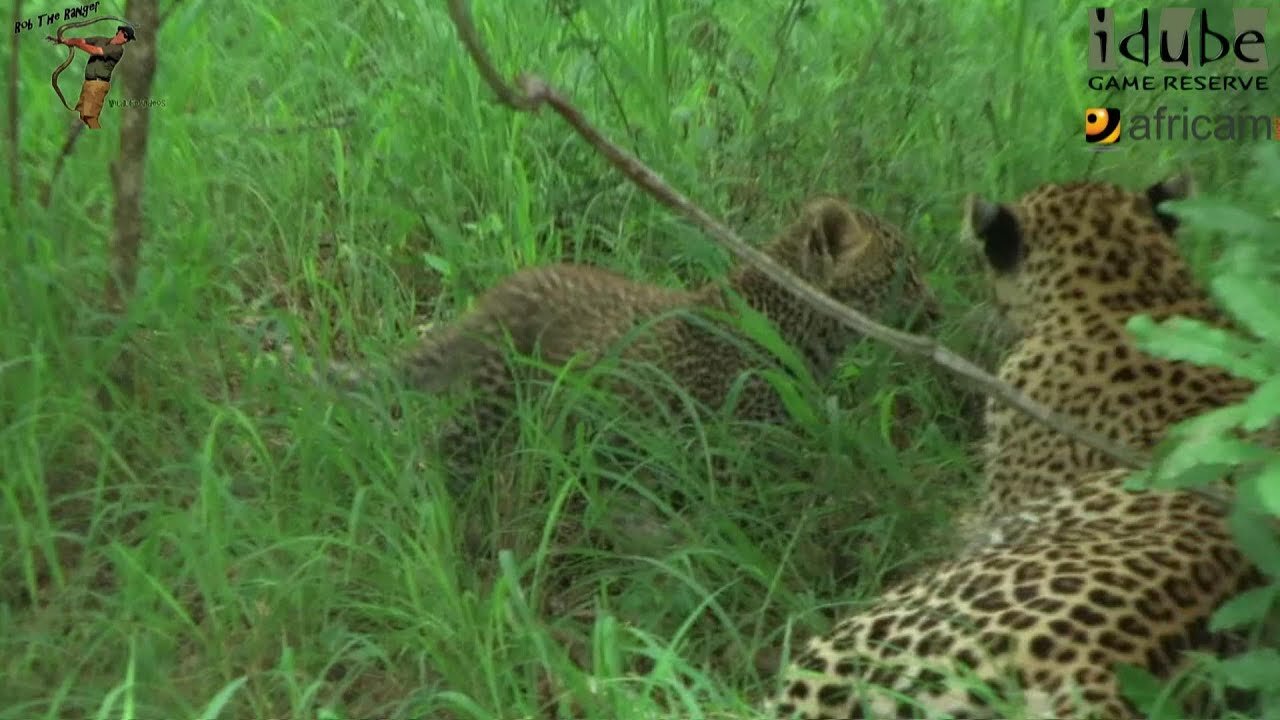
(1102,127)
(104,53)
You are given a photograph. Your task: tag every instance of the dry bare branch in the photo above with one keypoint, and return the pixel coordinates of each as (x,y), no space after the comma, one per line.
(534,92)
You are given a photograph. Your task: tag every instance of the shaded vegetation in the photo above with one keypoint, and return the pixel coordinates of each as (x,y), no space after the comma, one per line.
(230,539)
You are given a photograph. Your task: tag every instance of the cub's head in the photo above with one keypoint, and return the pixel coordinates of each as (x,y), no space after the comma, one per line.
(1080,249)
(860,260)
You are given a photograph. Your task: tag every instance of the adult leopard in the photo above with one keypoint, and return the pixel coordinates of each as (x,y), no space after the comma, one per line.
(1081,574)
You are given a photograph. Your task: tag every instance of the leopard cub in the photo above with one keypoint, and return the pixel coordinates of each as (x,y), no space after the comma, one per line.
(568,312)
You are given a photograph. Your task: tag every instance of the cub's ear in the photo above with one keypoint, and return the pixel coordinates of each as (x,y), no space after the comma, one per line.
(1178,187)
(995,225)
(833,230)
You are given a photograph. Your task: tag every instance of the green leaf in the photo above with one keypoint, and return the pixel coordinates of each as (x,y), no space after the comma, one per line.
(1204,442)
(1247,260)
(1143,479)
(1268,480)
(1191,477)
(1252,299)
(887,415)
(1266,172)
(849,372)
(797,407)
(1262,406)
(438,263)
(1254,670)
(1201,450)
(1144,690)
(1181,338)
(1255,532)
(1222,215)
(761,330)
(1214,423)
(1244,609)
(220,700)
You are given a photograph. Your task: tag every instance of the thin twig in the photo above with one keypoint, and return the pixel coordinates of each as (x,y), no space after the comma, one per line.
(534,92)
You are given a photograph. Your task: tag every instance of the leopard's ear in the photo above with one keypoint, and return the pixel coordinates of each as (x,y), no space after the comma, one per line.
(997,228)
(833,229)
(1177,187)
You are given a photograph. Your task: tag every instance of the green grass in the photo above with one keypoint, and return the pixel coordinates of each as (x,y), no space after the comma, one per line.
(230,542)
